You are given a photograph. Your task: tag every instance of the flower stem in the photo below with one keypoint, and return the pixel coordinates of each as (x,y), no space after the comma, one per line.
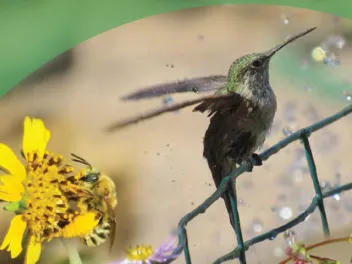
(72,253)
(329,241)
(319,244)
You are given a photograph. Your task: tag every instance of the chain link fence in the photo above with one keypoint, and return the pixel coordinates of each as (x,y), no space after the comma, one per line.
(318,201)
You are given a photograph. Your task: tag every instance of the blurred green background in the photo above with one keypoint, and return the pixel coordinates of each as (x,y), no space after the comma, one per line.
(158,165)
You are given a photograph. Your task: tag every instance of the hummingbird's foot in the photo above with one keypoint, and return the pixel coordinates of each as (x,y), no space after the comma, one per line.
(257,159)
(254,160)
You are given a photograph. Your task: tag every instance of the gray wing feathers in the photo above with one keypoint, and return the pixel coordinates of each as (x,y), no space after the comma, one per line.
(196,85)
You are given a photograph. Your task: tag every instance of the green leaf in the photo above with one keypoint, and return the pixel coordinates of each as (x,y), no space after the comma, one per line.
(12,207)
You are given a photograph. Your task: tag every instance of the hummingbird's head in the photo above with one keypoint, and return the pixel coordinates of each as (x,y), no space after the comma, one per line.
(254,65)
(251,71)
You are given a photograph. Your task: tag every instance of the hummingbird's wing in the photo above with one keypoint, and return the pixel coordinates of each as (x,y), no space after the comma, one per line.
(227,103)
(196,85)
(210,98)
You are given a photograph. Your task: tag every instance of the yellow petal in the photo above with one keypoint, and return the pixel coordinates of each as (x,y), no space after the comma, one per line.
(14,236)
(10,163)
(33,251)
(35,136)
(81,225)
(11,188)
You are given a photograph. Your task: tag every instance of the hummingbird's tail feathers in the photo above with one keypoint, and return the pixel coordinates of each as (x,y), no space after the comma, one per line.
(229,195)
(223,104)
(196,85)
(227,201)
(220,168)
(160,111)
(219,172)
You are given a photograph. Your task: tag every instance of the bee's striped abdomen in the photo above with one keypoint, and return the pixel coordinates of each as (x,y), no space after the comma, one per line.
(98,235)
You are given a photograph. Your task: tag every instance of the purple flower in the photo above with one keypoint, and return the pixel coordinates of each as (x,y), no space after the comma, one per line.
(146,255)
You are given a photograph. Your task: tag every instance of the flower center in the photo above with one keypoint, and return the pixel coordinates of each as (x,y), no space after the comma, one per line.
(48,209)
(140,253)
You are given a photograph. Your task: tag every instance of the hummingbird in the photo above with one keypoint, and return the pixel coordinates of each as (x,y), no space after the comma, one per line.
(241,111)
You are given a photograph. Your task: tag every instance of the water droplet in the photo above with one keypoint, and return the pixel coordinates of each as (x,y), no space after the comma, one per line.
(328,51)
(289,237)
(319,54)
(332,60)
(297,175)
(347,95)
(273,237)
(325,186)
(334,42)
(285,213)
(275,209)
(287,131)
(168,100)
(308,88)
(328,186)
(285,19)
(337,197)
(257,226)
(240,202)
(340,43)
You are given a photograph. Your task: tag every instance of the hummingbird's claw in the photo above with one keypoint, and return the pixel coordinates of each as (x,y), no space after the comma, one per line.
(257,159)
(254,160)
(250,169)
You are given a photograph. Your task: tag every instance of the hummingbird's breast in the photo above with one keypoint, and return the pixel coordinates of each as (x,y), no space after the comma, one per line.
(237,130)
(263,112)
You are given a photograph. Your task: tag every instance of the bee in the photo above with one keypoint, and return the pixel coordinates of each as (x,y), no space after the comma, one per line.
(102,199)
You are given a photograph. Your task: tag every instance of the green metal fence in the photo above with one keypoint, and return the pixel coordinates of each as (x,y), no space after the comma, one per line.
(318,200)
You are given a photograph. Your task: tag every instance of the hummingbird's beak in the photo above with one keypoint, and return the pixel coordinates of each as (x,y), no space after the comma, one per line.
(271,52)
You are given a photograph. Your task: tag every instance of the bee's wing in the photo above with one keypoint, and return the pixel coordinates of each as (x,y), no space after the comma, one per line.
(196,85)
(160,111)
(112,220)
(85,193)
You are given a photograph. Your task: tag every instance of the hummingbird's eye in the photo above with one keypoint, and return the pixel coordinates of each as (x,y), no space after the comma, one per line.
(256,64)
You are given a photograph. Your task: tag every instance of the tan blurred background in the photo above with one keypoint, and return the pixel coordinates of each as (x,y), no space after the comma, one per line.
(158,165)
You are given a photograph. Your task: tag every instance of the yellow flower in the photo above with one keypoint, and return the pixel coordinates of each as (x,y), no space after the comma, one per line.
(36,194)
